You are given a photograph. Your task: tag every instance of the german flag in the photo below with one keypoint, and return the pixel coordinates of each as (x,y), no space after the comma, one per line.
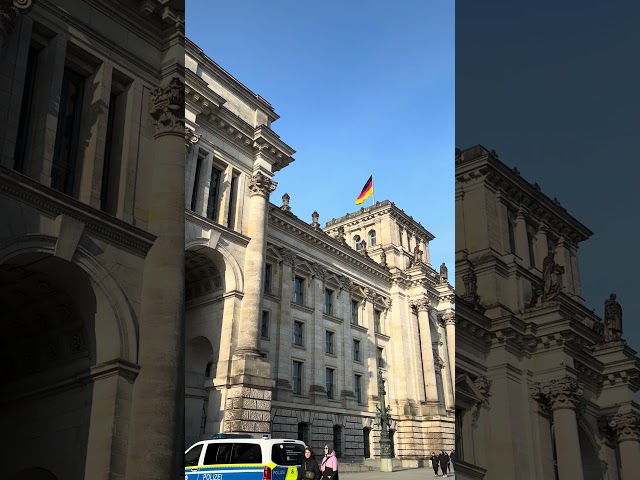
(366,191)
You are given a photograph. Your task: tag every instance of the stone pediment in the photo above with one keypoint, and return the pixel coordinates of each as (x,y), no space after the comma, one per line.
(466,391)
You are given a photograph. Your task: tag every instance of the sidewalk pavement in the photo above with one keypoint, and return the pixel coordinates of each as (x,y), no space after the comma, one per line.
(404,474)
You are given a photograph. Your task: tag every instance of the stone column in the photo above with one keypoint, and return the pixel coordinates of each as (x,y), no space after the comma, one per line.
(158,393)
(225,201)
(204,184)
(95,115)
(542,248)
(426,346)
(446,369)
(260,187)
(248,404)
(10,12)
(626,427)
(316,336)
(44,112)
(563,396)
(13,70)
(522,246)
(450,326)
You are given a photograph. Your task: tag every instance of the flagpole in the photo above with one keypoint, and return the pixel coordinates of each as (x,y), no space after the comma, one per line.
(373,194)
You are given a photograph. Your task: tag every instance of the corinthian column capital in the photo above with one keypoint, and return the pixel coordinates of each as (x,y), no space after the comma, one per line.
(561,393)
(166,108)
(421,304)
(626,426)
(260,184)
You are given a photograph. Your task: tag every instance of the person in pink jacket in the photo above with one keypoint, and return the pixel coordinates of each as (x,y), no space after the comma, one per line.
(329,467)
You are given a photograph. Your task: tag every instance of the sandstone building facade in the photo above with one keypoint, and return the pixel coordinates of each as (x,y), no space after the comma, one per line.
(288,322)
(92,149)
(544,388)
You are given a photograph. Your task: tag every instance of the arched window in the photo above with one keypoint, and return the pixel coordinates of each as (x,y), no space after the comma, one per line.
(372,238)
(357,242)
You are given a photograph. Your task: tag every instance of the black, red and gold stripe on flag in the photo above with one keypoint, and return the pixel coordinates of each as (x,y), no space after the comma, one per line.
(366,191)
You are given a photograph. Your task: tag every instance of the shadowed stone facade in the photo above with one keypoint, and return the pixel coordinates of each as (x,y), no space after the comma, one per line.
(287,322)
(544,387)
(92,152)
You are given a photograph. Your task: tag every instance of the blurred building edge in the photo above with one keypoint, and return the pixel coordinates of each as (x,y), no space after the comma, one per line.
(544,388)
(92,148)
(287,322)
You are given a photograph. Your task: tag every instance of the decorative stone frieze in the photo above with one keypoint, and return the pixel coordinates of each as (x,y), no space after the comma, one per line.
(626,426)
(260,184)
(483,386)
(190,138)
(471,288)
(288,256)
(560,393)
(167,109)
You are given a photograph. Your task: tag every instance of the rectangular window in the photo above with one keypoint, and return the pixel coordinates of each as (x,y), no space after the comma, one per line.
(298,290)
(65,152)
(231,215)
(356,351)
(264,326)
(330,386)
(354,312)
(196,182)
(377,325)
(329,341)
(357,385)
(267,278)
(328,301)
(214,193)
(380,357)
(107,203)
(298,333)
(297,378)
(25,110)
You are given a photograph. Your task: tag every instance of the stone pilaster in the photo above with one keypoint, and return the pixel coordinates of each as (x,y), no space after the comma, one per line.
(626,427)
(283,381)
(522,246)
(446,369)
(542,247)
(449,319)
(158,394)
(422,305)
(260,187)
(563,254)
(563,396)
(10,10)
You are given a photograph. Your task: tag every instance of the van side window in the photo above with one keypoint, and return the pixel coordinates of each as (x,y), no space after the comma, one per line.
(192,456)
(246,453)
(217,454)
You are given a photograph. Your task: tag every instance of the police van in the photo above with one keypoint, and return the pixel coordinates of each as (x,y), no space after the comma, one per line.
(233,458)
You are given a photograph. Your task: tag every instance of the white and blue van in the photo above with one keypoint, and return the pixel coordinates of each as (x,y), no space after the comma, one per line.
(234,458)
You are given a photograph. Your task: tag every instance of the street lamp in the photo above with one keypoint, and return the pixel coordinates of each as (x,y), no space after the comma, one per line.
(382,419)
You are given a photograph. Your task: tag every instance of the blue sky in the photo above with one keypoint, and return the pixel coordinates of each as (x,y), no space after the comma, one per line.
(361,87)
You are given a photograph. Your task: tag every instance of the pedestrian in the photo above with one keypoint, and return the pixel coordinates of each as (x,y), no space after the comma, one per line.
(310,470)
(435,463)
(329,465)
(453,457)
(444,463)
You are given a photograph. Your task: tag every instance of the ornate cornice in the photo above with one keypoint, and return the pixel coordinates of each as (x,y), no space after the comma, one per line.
(54,203)
(167,109)
(9,11)
(626,426)
(292,225)
(560,393)
(260,184)
(478,164)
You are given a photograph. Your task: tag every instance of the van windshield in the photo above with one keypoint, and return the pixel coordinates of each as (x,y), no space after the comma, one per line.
(287,453)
